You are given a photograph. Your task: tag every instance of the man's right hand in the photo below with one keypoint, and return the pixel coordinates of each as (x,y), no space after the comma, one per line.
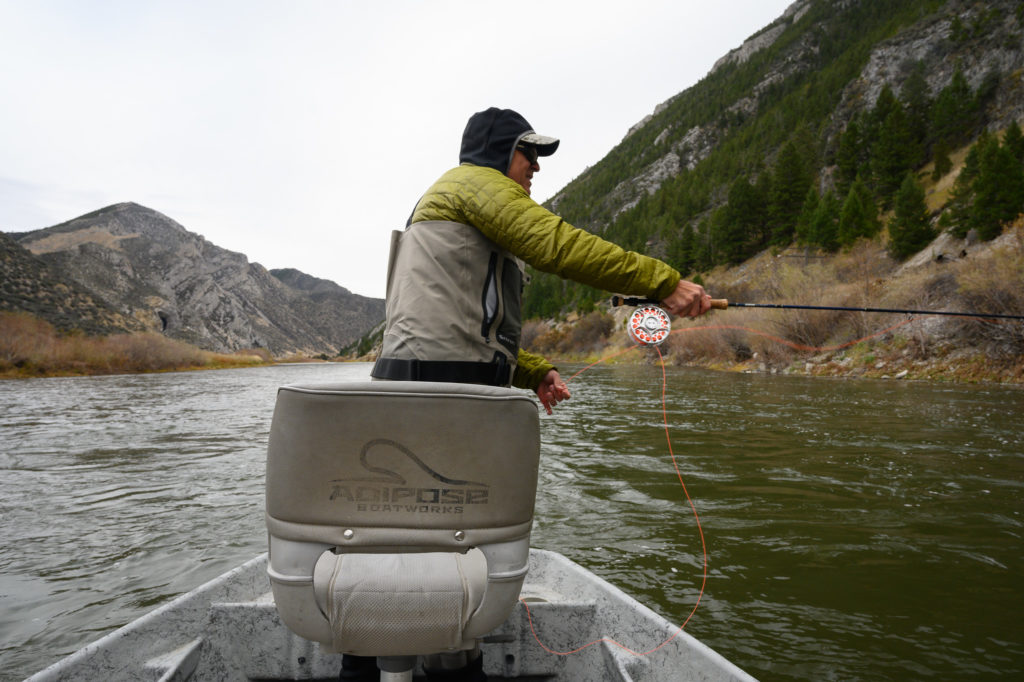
(688,300)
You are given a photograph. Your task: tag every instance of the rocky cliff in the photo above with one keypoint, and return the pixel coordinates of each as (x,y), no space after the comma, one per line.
(148,272)
(984,39)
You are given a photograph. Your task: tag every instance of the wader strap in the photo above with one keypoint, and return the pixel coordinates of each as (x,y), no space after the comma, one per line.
(486,373)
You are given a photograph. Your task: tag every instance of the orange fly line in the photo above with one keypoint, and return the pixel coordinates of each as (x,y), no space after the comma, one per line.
(679,475)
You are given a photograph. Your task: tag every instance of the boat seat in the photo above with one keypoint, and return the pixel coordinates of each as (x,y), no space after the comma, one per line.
(399,513)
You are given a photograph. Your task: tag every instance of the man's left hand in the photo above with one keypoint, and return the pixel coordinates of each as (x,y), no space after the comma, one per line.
(552,390)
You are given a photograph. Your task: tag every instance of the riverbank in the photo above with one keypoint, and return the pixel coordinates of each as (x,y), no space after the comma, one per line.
(30,348)
(882,360)
(950,275)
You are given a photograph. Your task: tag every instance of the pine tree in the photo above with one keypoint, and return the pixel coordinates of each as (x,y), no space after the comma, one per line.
(909,228)
(702,253)
(680,249)
(858,216)
(942,162)
(958,214)
(893,153)
(804,224)
(917,104)
(825,223)
(953,110)
(998,189)
(789,187)
(741,222)
(1014,142)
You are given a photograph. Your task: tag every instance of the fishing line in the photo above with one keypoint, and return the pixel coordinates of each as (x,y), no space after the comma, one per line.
(649,326)
(693,507)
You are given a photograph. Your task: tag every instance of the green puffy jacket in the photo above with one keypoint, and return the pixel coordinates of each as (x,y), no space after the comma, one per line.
(502,210)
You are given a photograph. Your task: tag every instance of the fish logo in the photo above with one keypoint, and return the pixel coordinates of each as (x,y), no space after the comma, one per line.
(385,489)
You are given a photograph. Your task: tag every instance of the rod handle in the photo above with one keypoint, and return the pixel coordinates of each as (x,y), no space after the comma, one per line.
(716,303)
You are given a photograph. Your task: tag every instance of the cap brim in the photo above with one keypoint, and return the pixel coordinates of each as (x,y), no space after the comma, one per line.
(546,146)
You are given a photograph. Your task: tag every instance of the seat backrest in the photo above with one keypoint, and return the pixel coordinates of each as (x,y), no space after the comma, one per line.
(415,478)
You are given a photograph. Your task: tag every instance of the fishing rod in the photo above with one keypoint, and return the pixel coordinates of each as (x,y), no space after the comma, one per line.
(724,304)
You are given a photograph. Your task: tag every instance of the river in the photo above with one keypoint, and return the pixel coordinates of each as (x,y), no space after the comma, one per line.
(855,529)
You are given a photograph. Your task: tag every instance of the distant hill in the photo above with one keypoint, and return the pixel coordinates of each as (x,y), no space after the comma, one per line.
(129,268)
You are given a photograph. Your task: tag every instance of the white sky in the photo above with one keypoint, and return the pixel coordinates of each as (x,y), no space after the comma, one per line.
(300,133)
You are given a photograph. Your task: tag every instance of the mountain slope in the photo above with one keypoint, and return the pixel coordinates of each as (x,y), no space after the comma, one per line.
(721,171)
(28,284)
(158,276)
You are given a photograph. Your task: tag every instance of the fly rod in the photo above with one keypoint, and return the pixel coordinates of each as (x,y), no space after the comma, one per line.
(724,304)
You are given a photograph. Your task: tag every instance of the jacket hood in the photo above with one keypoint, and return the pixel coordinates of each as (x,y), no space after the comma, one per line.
(491,136)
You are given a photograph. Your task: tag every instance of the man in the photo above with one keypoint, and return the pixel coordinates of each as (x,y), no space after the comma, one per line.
(456,273)
(455,278)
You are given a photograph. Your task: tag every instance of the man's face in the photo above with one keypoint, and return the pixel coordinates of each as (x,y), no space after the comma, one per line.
(522,167)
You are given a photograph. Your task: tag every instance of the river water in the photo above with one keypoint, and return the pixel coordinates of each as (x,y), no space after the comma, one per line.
(855,530)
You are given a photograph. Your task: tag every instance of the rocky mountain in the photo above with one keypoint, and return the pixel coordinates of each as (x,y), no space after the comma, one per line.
(720,171)
(30,285)
(127,267)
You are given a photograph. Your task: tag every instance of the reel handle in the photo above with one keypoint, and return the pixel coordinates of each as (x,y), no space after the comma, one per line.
(716,303)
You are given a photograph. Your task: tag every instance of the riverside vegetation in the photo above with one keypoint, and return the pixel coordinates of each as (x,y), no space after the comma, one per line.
(981,277)
(31,347)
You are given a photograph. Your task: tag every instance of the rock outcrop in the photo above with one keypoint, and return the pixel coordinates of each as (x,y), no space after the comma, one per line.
(983,39)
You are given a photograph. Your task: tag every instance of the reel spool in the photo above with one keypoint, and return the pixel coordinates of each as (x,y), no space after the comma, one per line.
(649,325)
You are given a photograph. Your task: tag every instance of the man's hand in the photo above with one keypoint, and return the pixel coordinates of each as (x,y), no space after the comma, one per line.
(552,390)
(688,300)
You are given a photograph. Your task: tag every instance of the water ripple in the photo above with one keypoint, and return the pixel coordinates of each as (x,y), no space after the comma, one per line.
(855,530)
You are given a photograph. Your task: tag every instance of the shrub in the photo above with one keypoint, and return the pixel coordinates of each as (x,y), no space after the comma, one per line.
(29,347)
(993,284)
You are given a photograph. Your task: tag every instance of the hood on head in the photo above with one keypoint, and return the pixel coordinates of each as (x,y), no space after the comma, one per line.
(491,136)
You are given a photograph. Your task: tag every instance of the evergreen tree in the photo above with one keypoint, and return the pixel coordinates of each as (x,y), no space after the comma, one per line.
(825,223)
(909,228)
(849,163)
(680,249)
(998,189)
(893,152)
(739,227)
(788,189)
(544,295)
(1014,142)
(917,104)
(958,215)
(805,223)
(885,105)
(942,163)
(702,259)
(953,110)
(726,238)
(858,216)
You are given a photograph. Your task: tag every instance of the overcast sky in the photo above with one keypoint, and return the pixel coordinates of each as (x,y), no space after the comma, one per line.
(301,133)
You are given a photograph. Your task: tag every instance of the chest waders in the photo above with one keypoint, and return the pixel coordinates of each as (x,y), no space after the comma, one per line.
(453,307)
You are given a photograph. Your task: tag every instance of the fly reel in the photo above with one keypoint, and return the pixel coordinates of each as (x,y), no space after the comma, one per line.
(649,325)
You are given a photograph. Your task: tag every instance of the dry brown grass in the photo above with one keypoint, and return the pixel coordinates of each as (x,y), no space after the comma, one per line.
(31,347)
(588,335)
(989,279)
(994,283)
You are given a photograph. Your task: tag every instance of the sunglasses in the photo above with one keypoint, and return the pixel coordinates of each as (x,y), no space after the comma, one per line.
(529,151)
